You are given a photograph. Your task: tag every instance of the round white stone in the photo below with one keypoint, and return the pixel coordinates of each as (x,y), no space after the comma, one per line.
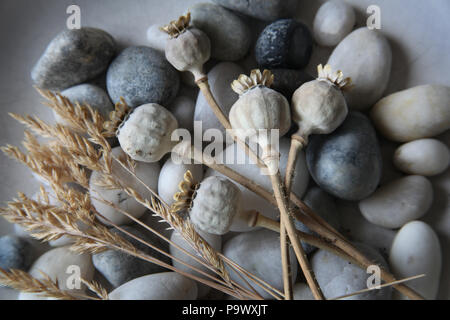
(398,202)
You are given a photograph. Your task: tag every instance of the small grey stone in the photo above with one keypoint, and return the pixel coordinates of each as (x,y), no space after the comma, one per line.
(72,57)
(286,81)
(230,37)
(262,9)
(142,75)
(118,267)
(322,204)
(15,253)
(346,163)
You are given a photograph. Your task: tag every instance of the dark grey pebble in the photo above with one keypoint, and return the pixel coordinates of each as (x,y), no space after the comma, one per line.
(142,75)
(285,43)
(118,267)
(268,10)
(288,80)
(15,253)
(73,57)
(346,163)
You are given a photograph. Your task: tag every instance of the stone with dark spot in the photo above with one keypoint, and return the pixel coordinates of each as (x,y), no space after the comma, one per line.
(142,75)
(73,57)
(15,253)
(285,43)
(262,9)
(346,163)
(286,81)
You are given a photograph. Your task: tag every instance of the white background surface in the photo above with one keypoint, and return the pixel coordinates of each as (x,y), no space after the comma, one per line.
(417,30)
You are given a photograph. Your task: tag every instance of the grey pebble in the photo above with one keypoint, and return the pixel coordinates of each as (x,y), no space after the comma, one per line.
(286,81)
(262,9)
(15,253)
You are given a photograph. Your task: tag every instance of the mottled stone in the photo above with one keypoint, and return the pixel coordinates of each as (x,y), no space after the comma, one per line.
(142,75)
(72,57)
(262,9)
(284,44)
(229,35)
(15,253)
(286,81)
(118,267)
(347,163)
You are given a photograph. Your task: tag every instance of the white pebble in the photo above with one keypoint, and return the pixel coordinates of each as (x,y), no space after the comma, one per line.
(333,21)
(399,202)
(426,157)
(156,38)
(416,250)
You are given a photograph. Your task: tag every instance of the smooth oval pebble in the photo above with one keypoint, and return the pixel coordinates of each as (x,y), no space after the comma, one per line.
(142,75)
(286,81)
(398,202)
(346,163)
(220,77)
(415,113)
(262,9)
(172,174)
(57,264)
(338,277)
(259,253)
(72,57)
(15,253)
(425,157)
(213,240)
(119,267)
(159,286)
(285,43)
(183,109)
(229,35)
(333,22)
(416,250)
(366,57)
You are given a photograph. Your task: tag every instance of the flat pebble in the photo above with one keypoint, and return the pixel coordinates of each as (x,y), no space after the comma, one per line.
(214,241)
(415,113)
(229,35)
(338,277)
(416,250)
(220,77)
(302,292)
(262,9)
(160,286)
(346,163)
(147,172)
(72,57)
(15,253)
(425,157)
(142,75)
(398,202)
(365,56)
(259,253)
(183,109)
(286,81)
(118,267)
(285,43)
(172,174)
(156,38)
(333,22)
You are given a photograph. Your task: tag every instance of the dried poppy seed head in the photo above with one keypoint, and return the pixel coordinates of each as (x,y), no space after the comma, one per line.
(177,27)
(337,78)
(256,78)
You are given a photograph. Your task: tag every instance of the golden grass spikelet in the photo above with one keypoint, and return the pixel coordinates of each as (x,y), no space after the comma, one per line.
(116,117)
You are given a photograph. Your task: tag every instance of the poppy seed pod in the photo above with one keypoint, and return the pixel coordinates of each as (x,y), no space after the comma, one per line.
(258,111)
(188,48)
(145,135)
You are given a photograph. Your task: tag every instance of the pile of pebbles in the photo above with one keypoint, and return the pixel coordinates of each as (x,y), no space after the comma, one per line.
(339,175)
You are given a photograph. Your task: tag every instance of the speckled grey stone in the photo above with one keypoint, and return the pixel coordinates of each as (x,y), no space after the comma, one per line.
(338,277)
(286,81)
(285,43)
(142,75)
(262,9)
(72,57)
(118,267)
(346,163)
(229,35)
(15,253)
(324,205)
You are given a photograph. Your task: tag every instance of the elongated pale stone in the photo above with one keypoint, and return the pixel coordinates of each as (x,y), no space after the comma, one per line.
(398,202)
(416,250)
(426,157)
(159,286)
(302,292)
(415,113)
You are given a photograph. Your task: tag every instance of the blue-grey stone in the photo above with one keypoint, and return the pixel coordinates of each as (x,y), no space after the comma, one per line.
(142,75)
(118,267)
(15,253)
(324,205)
(262,9)
(73,57)
(346,163)
(229,35)
(285,43)
(286,81)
